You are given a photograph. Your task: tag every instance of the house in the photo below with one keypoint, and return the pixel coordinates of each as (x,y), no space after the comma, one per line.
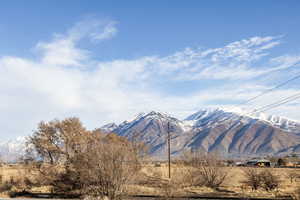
(259,163)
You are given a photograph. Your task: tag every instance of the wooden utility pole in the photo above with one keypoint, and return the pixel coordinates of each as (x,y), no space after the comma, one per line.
(169,150)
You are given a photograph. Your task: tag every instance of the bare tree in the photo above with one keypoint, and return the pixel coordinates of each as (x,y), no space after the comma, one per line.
(89,163)
(56,141)
(252,178)
(269,180)
(107,167)
(55,144)
(265,178)
(207,169)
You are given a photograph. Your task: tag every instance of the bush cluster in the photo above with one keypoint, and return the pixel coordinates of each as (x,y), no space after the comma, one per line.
(261,178)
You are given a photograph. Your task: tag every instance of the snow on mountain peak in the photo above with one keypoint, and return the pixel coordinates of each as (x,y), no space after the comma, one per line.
(233,112)
(153,115)
(11,150)
(109,127)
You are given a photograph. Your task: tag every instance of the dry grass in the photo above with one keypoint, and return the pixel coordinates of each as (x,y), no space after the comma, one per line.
(18,175)
(233,184)
(152,181)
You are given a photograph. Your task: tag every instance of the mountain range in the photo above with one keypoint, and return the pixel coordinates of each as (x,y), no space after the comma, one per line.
(11,150)
(232,133)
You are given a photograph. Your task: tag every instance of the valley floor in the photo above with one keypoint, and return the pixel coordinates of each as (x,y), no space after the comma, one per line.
(151,176)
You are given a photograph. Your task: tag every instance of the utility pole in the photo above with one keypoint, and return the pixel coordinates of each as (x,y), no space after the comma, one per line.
(169,150)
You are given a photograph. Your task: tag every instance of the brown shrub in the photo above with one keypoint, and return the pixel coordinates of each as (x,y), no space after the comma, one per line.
(206,169)
(252,178)
(264,178)
(269,180)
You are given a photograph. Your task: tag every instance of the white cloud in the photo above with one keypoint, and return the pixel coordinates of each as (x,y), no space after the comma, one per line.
(55,84)
(286,61)
(234,61)
(93,29)
(109,31)
(63,50)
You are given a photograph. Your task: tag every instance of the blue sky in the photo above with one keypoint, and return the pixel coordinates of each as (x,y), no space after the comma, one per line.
(106,61)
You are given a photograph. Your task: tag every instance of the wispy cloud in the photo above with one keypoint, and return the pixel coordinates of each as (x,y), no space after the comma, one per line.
(63,50)
(55,84)
(94,29)
(233,61)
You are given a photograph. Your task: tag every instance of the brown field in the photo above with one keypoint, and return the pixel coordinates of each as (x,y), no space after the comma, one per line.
(232,184)
(150,177)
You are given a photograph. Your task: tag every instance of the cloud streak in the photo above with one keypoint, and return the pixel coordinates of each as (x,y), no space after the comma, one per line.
(64,81)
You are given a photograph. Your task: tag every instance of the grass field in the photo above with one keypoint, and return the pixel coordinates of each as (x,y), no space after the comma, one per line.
(150,178)
(232,185)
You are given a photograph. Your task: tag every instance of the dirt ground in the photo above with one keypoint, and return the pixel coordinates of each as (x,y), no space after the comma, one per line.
(151,175)
(232,185)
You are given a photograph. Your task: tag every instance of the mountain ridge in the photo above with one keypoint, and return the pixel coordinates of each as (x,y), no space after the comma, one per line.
(214,129)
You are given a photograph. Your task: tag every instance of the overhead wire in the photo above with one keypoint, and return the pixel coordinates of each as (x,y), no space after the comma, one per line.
(276,104)
(270,90)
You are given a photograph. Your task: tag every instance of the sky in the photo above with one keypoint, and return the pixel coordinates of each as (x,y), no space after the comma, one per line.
(107,61)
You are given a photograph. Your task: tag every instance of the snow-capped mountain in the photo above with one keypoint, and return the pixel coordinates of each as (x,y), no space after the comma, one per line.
(152,129)
(107,128)
(277,121)
(227,131)
(232,132)
(12,150)
(280,122)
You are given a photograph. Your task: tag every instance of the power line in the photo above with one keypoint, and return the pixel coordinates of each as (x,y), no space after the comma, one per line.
(169,151)
(276,104)
(270,90)
(280,101)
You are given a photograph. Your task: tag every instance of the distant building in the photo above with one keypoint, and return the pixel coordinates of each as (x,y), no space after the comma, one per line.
(239,164)
(259,163)
(288,162)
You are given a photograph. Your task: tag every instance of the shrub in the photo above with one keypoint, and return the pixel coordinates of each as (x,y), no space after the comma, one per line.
(5,186)
(264,178)
(269,180)
(206,169)
(252,178)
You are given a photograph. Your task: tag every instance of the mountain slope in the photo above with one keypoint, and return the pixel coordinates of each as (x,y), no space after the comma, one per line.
(210,130)
(237,134)
(229,132)
(152,129)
